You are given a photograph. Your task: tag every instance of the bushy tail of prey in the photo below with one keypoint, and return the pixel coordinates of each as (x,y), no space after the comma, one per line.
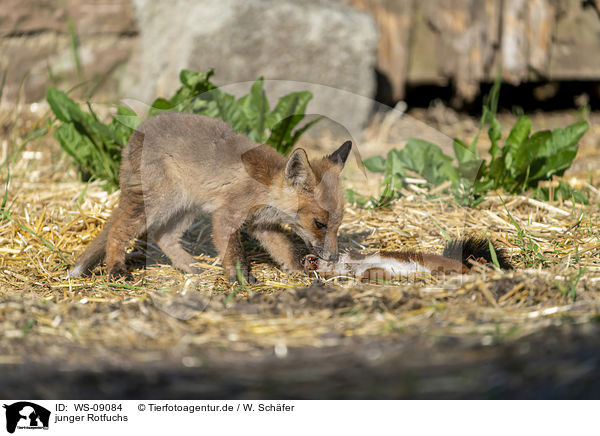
(475,249)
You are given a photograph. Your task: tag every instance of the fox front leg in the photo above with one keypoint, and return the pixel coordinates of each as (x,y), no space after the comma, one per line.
(227,240)
(278,245)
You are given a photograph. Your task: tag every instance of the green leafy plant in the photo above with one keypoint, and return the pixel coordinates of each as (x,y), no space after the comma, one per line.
(96,146)
(520,164)
(250,114)
(419,156)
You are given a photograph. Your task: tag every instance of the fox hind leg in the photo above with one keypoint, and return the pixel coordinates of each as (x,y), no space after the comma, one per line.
(168,238)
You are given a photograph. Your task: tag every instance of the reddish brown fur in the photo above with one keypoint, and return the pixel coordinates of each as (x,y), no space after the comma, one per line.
(434,262)
(177,165)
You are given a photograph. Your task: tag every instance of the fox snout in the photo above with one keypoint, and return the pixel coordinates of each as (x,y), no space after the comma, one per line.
(333,257)
(325,253)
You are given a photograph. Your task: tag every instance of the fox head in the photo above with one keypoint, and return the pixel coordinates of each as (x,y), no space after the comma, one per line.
(315,192)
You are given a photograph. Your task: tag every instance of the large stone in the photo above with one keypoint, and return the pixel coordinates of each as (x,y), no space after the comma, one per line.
(47,59)
(323,46)
(36,46)
(91,17)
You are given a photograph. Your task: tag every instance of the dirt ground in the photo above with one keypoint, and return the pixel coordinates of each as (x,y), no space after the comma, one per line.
(527,333)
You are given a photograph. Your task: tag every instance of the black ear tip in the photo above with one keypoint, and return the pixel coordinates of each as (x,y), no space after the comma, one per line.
(341,154)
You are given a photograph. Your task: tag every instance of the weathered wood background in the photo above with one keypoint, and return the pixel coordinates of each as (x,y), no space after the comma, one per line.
(464,41)
(420,42)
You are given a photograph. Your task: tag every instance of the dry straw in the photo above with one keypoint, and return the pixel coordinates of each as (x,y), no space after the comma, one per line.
(163,311)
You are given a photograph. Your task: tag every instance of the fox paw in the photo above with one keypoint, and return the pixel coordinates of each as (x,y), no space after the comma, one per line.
(247,277)
(119,270)
(192,269)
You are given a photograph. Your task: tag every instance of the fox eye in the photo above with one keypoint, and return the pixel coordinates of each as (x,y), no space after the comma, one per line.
(320,226)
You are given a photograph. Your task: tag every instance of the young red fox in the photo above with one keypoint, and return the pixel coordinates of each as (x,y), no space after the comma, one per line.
(176,165)
(458,257)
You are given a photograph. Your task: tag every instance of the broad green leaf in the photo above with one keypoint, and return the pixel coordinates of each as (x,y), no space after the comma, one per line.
(394,165)
(495,172)
(375,164)
(124,123)
(547,153)
(470,170)
(515,140)
(77,146)
(428,160)
(290,104)
(288,112)
(182,101)
(563,139)
(159,106)
(354,197)
(495,134)
(65,109)
(462,152)
(199,82)
(224,107)
(127,118)
(298,132)
(94,146)
(256,109)
(523,156)
(545,167)
(91,158)
(481,187)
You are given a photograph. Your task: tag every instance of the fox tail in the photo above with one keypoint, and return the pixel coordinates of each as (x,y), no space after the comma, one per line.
(93,254)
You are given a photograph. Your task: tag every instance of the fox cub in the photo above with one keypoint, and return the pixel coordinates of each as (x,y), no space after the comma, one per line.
(177,165)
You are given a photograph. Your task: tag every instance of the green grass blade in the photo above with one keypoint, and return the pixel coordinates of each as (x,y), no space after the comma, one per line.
(5,197)
(442,231)
(3,82)
(241,281)
(74,40)
(123,285)
(493,254)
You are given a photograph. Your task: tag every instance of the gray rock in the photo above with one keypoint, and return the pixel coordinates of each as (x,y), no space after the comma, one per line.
(323,46)
(35,39)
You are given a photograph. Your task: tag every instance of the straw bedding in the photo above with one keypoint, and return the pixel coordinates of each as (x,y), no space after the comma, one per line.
(165,314)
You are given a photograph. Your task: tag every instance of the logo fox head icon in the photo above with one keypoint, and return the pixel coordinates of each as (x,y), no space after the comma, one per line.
(31,413)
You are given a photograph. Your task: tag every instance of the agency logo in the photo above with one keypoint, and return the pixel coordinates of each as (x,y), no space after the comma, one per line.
(26,415)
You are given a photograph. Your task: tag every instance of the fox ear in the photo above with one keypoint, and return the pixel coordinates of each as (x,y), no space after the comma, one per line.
(341,154)
(298,172)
